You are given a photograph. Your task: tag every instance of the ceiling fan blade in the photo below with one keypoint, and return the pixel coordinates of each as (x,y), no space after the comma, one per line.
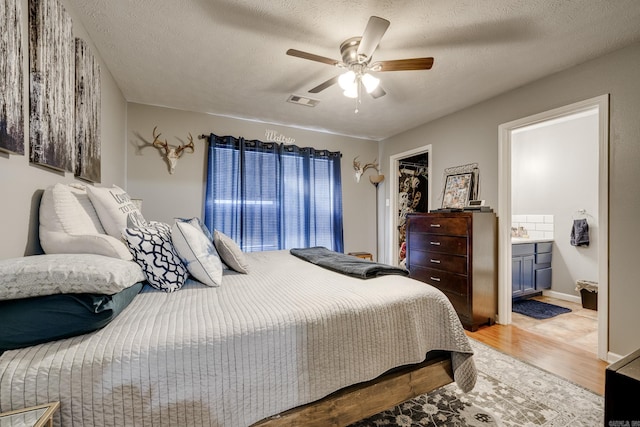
(378,92)
(323,86)
(406,64)
(312,57)
(376,27)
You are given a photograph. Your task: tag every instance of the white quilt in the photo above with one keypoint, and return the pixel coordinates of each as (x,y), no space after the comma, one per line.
(284,335)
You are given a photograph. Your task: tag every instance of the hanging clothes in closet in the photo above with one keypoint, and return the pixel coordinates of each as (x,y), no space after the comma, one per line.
(412,185)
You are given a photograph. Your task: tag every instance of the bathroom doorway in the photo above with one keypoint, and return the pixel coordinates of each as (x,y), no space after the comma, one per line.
(410,191)
(509,134)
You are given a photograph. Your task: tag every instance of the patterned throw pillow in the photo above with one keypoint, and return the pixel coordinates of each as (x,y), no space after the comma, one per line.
(196,251)
(136,220)
(152,249)
(113,206)
(163,227)
(230,252)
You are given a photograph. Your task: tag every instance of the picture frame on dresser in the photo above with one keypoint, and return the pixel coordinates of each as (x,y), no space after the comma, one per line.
(457,190)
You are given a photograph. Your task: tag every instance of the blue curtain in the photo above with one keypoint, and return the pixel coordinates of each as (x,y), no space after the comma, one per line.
(269,196)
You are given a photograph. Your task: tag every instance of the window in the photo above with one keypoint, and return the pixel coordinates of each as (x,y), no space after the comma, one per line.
(269,196)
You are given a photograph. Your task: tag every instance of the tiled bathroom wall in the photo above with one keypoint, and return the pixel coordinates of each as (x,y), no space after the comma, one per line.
(533,226)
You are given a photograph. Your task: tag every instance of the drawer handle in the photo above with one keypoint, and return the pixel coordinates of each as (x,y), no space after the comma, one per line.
(435,225)
(435,261)
(435,279)
(434,243)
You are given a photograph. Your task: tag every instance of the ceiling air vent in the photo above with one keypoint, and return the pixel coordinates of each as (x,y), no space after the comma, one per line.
(302,100)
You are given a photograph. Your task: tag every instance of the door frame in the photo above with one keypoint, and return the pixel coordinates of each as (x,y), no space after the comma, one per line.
(394,163)
(504,211)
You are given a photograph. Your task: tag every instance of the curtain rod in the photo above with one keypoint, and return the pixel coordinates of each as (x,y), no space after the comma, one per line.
(203,136)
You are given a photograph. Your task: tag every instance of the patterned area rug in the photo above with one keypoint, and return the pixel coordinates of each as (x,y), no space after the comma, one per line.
(509,392)
(538,309)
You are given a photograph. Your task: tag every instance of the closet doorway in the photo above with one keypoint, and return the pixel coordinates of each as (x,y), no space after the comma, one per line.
(410,191)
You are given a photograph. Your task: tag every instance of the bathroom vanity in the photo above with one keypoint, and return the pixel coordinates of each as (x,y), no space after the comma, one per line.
(530,266)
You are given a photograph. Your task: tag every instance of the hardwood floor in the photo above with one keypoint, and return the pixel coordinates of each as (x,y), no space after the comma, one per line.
(578,328)
(572,363)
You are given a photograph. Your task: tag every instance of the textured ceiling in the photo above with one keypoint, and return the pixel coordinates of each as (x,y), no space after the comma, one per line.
(227,57)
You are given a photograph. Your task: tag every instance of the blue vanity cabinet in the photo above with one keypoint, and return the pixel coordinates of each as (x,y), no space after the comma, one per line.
(530,268)
(542,266)
(522,272)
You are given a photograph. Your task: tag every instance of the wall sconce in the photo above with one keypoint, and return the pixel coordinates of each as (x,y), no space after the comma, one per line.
(376,179)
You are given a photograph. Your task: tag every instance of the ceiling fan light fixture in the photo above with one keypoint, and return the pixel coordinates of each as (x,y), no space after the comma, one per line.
(347,81)
(370,83)
(351,92)
(357,54)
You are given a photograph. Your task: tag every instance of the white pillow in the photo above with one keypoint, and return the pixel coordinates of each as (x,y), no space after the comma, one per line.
(41,275)
(69,224)
(152,249)
(197,252)
(199,224)
(230,252)
(113,206)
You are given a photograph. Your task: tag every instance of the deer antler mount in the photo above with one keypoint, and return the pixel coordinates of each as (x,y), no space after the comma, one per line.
(171,153)
(361,169)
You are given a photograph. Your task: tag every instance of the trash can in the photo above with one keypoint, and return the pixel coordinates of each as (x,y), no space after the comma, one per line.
(589,293)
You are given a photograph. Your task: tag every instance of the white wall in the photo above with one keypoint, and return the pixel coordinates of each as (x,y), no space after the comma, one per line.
(21,183)
(182,194)
(555,171)
(471,135)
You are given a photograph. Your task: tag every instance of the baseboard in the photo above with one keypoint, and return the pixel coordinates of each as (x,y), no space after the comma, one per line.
(564,297)
(613,357)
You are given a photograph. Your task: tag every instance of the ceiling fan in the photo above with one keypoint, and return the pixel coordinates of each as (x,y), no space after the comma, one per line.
(357,53)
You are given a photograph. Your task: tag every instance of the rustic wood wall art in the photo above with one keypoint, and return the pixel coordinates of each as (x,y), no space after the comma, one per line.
(51,85)
(87,113)
(11,80)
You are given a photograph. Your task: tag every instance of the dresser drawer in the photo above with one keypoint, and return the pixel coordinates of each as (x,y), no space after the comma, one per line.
(437,225)
(438,261)
(437,243)
(442,280)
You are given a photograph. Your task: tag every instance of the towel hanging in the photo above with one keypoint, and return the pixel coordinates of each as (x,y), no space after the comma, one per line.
(580,232)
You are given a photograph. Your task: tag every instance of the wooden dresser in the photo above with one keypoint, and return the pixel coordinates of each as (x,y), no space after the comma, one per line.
(458,254)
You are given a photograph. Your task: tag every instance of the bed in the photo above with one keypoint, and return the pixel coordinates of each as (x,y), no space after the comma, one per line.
(288,343)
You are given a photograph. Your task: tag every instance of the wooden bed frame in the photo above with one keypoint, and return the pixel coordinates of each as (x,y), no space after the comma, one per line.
(363,400)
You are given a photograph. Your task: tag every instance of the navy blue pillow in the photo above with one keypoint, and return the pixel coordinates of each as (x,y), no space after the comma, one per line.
(32,321)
